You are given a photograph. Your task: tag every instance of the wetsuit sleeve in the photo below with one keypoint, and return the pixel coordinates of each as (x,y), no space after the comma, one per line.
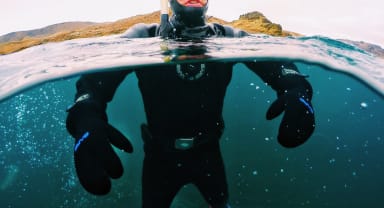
(280,75)
(141,30)
(232,32)
(101,86)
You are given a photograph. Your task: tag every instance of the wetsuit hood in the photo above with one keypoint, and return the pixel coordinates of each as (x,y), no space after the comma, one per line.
(184,16)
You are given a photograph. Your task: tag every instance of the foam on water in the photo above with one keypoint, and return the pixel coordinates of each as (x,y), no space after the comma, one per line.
(51,61)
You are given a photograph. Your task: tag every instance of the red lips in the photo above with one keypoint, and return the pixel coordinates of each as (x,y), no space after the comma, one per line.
(193,3)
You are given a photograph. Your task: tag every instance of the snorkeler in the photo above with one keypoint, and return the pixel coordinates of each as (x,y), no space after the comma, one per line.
(183,105)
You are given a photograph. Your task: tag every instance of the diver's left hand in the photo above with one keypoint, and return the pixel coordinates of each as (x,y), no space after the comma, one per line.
(298,122)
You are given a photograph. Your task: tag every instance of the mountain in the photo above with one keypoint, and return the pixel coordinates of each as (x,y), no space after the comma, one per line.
(256,22)
(253,22)
(374,49)
(50,30)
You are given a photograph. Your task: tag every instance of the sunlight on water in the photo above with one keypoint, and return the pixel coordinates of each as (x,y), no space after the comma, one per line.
(57,60)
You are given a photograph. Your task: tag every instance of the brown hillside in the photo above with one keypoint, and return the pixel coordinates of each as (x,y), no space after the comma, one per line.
(45,31)
(253,22)
(256,22)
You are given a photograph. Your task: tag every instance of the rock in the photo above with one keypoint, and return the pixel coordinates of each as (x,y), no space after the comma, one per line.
(256,22)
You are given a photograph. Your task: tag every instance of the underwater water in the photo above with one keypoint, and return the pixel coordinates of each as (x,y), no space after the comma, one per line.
(341,165)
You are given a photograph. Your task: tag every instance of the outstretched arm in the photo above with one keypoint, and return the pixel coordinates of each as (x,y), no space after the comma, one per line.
(99,87)
(294,94)
(280,75)
(230,32)
(95,160)
(87,122)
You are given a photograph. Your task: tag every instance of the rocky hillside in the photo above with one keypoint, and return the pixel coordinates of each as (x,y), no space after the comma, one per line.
(374,49)
(256,22)
(253,22)
(46,31)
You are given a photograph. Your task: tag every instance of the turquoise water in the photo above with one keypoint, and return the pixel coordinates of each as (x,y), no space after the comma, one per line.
(340,166)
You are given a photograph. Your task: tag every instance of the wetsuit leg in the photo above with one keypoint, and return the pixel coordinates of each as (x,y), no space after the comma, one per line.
(211,179)
(161,180)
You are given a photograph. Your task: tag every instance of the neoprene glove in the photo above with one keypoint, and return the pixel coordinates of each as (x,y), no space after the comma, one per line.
(95,160)
(298,122)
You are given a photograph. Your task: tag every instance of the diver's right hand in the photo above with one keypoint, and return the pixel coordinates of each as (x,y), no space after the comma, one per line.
(95,160)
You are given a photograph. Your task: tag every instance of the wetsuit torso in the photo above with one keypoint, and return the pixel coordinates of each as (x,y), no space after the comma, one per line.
(180,101)
(177,106)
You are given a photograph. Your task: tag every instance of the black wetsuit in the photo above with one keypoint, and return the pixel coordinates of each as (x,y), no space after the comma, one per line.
(178,107)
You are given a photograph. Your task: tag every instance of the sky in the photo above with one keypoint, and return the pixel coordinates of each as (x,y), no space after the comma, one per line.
(361,20)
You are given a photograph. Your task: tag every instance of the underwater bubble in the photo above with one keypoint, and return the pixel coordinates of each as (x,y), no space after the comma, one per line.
(324,187)
(363,105)
(254,172)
